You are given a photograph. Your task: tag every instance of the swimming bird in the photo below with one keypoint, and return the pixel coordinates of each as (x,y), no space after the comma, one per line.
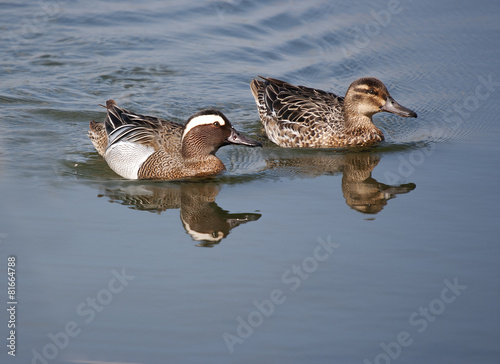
(144,147)
(299,116)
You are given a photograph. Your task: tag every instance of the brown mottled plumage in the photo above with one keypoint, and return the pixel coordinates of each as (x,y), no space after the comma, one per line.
(202,218)
(299,116)
(144,147)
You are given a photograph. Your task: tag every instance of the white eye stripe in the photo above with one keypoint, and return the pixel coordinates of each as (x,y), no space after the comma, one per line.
(203,120)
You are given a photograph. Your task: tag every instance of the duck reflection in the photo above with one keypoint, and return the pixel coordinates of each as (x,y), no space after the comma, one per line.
(361,191)
(201,217)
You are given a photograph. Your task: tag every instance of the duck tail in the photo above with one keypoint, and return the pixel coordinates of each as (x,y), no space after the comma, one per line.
(98,137)
(256,87)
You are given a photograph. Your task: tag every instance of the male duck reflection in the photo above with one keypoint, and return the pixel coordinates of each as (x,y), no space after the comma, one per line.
(298,116)
(201,217)
(144,147)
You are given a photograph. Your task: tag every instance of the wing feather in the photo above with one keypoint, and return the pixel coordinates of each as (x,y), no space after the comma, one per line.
(298,104)
(125,126)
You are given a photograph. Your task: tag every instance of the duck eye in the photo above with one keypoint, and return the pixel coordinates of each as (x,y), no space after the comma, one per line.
(216,123)
(371,92)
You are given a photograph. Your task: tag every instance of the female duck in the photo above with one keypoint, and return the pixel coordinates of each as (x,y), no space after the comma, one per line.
(298,116)
(144,147)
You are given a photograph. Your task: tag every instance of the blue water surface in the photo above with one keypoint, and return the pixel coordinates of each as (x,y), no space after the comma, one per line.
(386,255)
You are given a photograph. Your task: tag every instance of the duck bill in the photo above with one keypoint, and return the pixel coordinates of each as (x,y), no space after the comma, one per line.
(237,138)
(392,106)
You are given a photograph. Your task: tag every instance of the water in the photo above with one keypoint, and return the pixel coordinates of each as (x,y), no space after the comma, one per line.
(292,256)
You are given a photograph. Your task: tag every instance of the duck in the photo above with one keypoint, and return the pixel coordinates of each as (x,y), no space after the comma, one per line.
(145,147)
(303,117)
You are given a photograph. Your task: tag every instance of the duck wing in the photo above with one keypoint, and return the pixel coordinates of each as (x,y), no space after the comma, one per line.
(125,126)
(299,105)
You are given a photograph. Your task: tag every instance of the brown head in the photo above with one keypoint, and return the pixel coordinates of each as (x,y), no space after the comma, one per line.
(208,130)
(368,96)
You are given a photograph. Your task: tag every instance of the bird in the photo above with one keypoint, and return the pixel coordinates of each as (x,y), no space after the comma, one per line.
(145,147)
(303,117)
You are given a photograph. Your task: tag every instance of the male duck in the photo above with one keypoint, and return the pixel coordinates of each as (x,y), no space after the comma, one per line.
(298,116)
(144,147)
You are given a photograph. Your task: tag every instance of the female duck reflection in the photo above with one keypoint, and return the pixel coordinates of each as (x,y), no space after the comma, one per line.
(361,191)
(201,217)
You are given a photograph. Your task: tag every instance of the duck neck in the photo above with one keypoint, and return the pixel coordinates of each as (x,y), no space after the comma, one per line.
(192,148)
(356,122)
(187,151)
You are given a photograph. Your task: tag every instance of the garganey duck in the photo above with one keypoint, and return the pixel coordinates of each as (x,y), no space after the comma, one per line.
(145,147)
(298,116)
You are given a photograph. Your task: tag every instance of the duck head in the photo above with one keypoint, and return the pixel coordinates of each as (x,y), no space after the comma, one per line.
(208,130)
(368,96)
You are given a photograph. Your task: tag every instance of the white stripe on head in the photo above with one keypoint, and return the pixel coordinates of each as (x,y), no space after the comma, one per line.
(202,120)
(199,236)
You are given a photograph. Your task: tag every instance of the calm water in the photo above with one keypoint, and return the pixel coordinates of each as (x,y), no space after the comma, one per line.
(292,256)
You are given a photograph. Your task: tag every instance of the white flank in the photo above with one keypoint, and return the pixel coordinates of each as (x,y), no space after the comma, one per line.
(202,120)
(125,158)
